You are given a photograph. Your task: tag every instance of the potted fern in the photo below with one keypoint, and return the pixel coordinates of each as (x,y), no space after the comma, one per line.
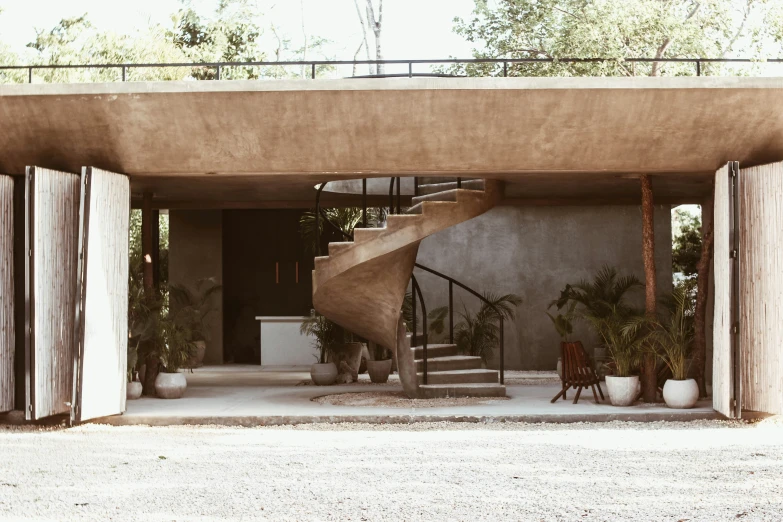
(563,323)
(191,308)
(326,335)
(174,345)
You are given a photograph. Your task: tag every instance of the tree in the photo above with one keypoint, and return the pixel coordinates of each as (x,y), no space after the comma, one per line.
(618,30)
(369,20)
(649,374)
(686,243)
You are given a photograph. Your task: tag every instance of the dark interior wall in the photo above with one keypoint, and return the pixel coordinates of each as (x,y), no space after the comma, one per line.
(266,272)
(19,293)
(195,253)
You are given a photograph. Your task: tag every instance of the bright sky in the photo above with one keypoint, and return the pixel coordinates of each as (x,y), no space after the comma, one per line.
(418,29)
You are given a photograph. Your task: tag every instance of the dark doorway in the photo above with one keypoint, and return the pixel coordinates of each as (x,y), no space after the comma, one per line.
(266,272)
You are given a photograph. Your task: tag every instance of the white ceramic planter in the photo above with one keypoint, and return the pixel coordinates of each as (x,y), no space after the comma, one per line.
(681,394)
(379,370)
(170,385)
(623,391)
(323,374)
(132,390)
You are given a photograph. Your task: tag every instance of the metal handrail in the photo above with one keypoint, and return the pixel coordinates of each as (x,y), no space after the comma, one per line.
(312,64)
(452,281)
(414,290)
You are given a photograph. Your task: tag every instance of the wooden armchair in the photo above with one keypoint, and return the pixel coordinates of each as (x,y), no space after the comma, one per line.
(578,373)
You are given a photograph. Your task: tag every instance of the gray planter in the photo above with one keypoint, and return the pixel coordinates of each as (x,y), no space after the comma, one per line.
(323,374)
(379,370)
(623,391)
(133,390)
(681,394)
(170,385)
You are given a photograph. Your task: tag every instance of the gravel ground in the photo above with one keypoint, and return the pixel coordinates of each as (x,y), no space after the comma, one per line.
(705,470)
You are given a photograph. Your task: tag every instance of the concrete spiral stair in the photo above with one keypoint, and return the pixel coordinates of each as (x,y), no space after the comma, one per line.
(362,283)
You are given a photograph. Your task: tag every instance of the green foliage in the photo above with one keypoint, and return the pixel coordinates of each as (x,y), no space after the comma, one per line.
(686,244)
(346,219)
(563,323)
(192,306)
(670,338)
(618,30)
(601,303)
(328,335)
(478,334)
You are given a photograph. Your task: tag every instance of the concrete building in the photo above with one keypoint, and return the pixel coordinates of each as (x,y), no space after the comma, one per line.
(236,163)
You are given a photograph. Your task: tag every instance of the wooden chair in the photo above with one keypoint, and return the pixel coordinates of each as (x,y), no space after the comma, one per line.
(577,372)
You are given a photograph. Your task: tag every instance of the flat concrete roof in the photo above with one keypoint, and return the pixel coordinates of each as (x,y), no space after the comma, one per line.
(555,140)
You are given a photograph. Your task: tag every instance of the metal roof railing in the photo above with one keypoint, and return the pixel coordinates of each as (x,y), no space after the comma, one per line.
(312,66)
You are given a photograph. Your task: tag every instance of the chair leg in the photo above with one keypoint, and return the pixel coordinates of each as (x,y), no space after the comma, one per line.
(578,393)
(595,395)
(562,393)
(599,391)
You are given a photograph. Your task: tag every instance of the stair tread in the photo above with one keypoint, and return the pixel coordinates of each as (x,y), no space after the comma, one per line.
(464,385)
(444,195)
(433,345)
(461,372)
(419,207)
(451,358)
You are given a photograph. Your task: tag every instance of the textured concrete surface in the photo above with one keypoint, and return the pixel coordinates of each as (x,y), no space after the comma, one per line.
(196,252)
(533,252)
(244,396)
(216,133)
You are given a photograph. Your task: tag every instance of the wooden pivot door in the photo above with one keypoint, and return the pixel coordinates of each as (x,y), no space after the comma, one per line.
(725,359)
(7,334)
(760,332)
(101,336)
(51,217)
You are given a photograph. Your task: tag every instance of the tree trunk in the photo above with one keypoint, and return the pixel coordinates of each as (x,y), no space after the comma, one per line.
(702,295)
(147,252)
(649,375)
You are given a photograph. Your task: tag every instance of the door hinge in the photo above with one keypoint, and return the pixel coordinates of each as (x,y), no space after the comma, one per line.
(735,328)
(733,254)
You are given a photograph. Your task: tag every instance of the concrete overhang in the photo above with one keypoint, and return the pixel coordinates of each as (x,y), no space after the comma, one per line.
(553,140)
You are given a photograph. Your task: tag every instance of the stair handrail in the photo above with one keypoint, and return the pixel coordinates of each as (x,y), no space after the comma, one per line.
(452,282)
(414,290)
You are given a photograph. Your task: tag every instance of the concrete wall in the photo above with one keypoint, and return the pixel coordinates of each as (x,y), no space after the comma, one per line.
(196,252)
(533,252)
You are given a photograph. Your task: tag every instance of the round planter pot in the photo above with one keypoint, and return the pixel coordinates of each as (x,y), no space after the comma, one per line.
(170,385)
(623,391)
(133,390)
(681,394)
(323,374)
(379,370)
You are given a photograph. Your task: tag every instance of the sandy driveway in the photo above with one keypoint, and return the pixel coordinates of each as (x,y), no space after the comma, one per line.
(619,471)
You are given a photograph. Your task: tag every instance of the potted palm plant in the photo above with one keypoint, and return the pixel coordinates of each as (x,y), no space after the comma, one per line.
(174,345)
(326,334)
(625,347)
(191,308)
(380,367)
(671,340)
(563,323)
(478,334)
(133,387)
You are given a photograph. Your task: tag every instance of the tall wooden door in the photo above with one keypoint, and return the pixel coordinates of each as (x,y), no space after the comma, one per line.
(725,390)
(101,340)
(51,217)
(7,337)
(761,285)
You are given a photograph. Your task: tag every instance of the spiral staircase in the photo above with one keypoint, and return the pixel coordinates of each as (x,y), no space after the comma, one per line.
(362,283)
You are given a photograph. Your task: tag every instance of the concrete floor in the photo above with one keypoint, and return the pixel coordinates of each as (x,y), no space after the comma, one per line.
(246,395)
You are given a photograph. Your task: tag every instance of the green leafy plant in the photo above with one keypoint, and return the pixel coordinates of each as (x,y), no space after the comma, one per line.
(478,334)
(563,323)
(345,219)
(670,338)
(328,335)
(192,307)
(625,346)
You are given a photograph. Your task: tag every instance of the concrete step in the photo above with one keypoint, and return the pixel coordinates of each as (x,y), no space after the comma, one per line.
(337,247)
(435,350)
(360,235)
(452,362)
(479,375)
(400,221)
(431,206)
(446,195)
(436,391)
(434,180)
(433,188)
